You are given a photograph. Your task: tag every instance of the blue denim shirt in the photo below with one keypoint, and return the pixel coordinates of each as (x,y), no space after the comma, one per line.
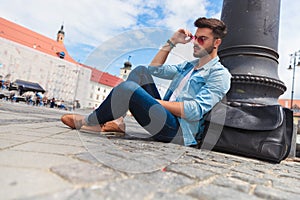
(205,87)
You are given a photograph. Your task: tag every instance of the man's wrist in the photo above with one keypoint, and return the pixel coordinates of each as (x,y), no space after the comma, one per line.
(171,44)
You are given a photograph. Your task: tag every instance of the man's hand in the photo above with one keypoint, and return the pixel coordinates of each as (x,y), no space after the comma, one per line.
(176,108)
(182,36)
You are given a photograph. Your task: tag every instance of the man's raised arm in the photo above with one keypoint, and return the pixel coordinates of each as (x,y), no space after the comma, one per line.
(181,36)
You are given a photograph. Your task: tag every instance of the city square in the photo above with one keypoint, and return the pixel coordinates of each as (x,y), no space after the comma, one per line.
(131,100)
(43,159)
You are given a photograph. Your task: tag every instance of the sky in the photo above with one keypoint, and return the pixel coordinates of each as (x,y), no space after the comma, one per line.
(105,34)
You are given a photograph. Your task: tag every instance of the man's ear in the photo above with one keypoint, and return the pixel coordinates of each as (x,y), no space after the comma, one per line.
(218,41)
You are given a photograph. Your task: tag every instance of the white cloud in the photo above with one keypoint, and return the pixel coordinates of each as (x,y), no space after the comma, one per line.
(183,13)
(91,22)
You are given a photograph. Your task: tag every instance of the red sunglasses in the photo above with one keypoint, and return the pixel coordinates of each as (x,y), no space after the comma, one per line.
(200,39)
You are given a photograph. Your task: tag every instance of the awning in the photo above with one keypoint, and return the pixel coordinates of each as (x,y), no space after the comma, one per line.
(25,86)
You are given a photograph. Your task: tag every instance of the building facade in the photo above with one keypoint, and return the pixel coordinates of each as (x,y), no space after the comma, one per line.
(29,56)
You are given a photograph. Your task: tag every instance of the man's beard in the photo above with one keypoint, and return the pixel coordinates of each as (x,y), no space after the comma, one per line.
(203,52)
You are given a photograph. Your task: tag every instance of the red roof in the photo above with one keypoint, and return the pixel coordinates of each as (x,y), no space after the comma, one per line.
(287,104)
(26,37)
(103,77)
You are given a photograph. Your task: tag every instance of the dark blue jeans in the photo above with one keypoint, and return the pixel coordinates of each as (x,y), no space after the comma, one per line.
(138,94)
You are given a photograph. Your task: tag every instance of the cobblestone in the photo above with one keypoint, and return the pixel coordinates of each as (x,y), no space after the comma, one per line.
(40,158)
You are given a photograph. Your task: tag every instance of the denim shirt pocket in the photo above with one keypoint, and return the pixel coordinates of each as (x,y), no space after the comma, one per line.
(195,84)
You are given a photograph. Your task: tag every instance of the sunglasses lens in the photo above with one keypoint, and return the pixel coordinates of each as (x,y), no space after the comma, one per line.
(200,40)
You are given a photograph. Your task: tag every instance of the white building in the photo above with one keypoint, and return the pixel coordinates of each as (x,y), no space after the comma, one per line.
(30,56)
(101,83)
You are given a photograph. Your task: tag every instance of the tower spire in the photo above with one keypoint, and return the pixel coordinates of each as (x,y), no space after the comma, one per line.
(126,69)
(60,35)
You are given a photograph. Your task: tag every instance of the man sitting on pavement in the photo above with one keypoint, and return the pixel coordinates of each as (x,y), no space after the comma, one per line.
(195,88)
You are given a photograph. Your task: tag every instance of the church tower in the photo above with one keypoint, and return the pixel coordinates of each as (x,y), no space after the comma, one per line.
(60,35)
(124,72)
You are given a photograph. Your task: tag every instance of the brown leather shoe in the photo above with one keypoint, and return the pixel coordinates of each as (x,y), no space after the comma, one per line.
(114,126)
(74,121)
(95,128)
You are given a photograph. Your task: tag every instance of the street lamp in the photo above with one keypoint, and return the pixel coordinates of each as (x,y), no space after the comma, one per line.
(293,59)
(77,72)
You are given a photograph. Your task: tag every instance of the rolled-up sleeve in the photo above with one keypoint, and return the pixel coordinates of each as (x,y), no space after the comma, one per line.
(164,71)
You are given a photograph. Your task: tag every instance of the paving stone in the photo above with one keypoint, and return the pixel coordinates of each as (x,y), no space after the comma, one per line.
(213,156)
(87,157)
(162,179)
(124,189)
(17,137)
(68,135)
(290,174)
(232,183)
(47,128)
(213,192)
(251,172)
(129,162)
(85,174)
(33,159)
(8,143)
(287,184)
(91,194)
(193,171)
(217,168)
(252,179)
(33,133)
(70,194)
(257,168)
(60,141)
(138,158)
(21,182)
(127,189)
(271,193)
(49,148)
(171,196)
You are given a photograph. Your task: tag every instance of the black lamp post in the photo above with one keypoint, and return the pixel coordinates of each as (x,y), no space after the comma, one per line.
(292,66)
(249,50)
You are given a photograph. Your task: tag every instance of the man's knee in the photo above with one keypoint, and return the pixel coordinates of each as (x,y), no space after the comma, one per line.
(140,71)
(127,86)
(140,68)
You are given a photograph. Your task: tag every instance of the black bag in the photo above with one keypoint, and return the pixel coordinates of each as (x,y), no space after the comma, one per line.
(262,132)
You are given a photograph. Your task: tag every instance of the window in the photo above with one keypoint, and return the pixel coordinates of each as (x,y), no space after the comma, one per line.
(91,96)
(97,97)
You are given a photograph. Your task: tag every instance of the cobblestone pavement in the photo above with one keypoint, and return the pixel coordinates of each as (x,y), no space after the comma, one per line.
(40,158)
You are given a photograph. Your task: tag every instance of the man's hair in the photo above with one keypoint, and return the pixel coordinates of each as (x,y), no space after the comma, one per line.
(217,26)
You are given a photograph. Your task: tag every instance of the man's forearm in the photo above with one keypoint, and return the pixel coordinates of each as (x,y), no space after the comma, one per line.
(176,108)
(161,56)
